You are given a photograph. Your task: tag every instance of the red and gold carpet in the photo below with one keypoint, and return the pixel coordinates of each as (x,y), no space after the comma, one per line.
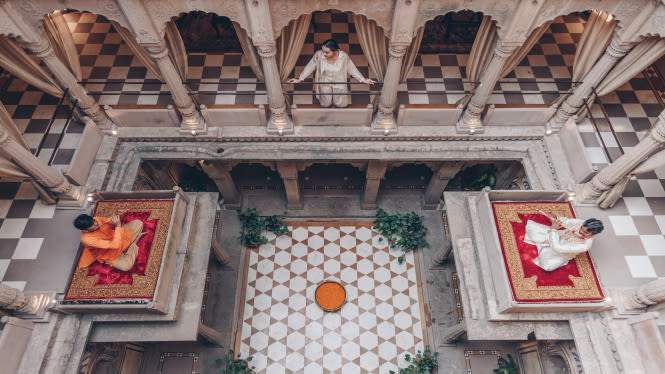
(576,281)
(101,281)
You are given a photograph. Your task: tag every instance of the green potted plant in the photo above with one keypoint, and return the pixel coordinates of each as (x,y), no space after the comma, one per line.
(507,367)
(235,365)
(404,231)
(422,363)
(253,225)
(276,224)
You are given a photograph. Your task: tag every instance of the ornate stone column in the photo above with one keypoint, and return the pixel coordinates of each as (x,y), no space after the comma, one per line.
(384,119)
(221,254)
(438,183)
(373,175)
(636,301)
(289,173)
(279,122)
(471,121)
(405,15)
(621,167)
(66,79)
(614,51)
(40,171)
(192,121)
(219,172)
(29,306)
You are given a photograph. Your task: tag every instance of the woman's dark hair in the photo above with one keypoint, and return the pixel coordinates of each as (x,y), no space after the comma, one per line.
(594,226)
(331,44)
(83,221)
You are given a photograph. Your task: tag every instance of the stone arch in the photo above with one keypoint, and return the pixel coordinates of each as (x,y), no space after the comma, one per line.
(195,23)
(439,29)
(162,12)
(284,11)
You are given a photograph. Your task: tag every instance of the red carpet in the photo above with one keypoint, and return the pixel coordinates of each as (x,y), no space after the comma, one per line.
(101,281)
(576,281)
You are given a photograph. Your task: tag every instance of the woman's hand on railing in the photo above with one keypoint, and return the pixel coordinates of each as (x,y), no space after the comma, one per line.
(294,80)
(369,81)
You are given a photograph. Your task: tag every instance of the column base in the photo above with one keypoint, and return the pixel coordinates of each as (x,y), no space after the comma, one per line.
(280,125)
(188,129)
(40,304)
(383,124)
(74,201)
(624,308)
(470,123)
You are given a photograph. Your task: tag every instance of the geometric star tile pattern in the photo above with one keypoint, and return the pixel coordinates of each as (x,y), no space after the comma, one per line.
(287,332)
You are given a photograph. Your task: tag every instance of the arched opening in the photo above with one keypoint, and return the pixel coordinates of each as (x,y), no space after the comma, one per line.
(218,71)
(408,176)
(337,25)
(321,178)
(256,176)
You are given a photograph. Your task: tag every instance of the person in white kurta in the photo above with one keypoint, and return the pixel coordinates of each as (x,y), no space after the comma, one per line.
(331,65)
(557,246)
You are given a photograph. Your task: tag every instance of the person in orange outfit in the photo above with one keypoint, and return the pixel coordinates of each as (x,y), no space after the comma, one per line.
(104,240)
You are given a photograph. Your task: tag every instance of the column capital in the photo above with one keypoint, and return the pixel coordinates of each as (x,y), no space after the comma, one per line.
(658,131)
(397,51)
(41,48)
(617,48)
(505,49)
(157,50)
(266,50)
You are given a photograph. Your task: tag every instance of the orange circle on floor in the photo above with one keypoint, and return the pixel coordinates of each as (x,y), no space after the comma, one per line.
(330,296)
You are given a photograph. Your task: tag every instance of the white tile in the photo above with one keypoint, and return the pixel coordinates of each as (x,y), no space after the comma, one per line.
(637,206)
(640,267)
(596,155)
(651,187)
(654,245)
(4,207)
(41,210)
(16,284)
(27,248)
(4,264)
(660,172)
(12,228)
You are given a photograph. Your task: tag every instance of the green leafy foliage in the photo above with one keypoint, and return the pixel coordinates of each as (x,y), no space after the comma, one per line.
(507,367)
(404,231)
(477,177)
(421,363)
(253,225)
(235,365)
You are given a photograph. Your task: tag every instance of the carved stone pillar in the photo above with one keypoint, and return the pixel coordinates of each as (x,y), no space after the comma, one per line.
(441,255)
(438,183)
(192,121)
(211,335)
(614,51)
(219,173)
(67,80)
(289,173)
(28,306)
(279,122)
(471,121)
(636,301)
(220,253)
(373,175)
(453,333)
(384,119)
(40,171)
(622,166)
(651,345)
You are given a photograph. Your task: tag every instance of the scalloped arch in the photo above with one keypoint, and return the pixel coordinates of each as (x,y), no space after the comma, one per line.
(284,11)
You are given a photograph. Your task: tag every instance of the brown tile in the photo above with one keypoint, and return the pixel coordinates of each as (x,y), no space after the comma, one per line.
(646,225)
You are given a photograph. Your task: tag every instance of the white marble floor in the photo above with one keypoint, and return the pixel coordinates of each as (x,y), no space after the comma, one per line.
(287,332)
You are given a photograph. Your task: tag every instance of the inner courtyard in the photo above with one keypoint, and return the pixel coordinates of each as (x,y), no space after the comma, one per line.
(181,115)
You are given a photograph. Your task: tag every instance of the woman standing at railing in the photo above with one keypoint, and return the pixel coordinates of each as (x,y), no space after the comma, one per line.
(331,65)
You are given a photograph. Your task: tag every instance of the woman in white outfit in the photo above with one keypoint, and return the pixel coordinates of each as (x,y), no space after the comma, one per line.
(331,65)
(556,247)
